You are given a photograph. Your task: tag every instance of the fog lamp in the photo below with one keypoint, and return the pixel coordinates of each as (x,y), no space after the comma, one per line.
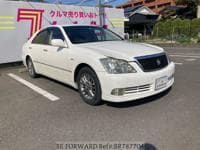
(118,92)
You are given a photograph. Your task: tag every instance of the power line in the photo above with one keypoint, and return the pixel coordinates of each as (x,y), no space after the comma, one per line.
(111,1)
(79,3)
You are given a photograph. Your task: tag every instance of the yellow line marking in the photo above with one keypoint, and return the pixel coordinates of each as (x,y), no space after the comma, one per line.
(8,22)
(118,26)
(27,16)
(29,12)
(118,22)
(117,19)
(34,23)
(7,28)
(7,17)
(38,22)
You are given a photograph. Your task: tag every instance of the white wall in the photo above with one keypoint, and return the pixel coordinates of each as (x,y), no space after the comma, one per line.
(14,32)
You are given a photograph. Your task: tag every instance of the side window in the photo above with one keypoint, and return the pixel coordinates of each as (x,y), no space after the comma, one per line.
(42,38)
(99,34)
(108,36)
(56,34)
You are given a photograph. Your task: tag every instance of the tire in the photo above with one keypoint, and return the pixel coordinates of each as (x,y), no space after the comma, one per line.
(89,86)
(31,69)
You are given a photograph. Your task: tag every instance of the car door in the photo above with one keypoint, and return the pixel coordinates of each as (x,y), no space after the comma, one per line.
(57,58)
(38,51)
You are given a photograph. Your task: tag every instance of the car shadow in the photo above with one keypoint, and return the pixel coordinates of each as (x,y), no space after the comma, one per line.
(147,146)
(139,101)
(58,82)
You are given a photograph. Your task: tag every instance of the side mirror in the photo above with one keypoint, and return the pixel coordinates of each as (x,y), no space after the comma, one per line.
(126,36)
(58,42)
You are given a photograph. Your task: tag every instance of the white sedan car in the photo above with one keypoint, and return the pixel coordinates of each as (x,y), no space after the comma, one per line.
(99,63)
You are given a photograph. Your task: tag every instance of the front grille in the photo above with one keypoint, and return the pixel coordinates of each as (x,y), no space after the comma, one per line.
(137,89)
(153,62)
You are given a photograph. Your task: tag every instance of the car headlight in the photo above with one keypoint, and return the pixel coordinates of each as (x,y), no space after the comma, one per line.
(117,66)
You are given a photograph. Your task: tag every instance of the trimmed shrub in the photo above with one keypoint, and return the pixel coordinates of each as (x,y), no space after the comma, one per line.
(195,27)
(177,29)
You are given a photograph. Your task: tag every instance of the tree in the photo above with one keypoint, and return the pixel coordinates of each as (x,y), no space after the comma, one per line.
(189,3)
(191,6)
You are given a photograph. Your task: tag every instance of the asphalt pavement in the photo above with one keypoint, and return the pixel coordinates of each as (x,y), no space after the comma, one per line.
(168,121)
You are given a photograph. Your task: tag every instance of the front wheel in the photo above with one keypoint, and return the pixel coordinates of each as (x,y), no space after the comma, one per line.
(89,86)
(31,69)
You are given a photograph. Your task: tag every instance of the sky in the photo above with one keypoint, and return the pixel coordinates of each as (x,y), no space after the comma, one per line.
(89,2)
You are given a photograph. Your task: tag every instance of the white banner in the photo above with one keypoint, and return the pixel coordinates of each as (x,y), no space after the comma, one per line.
(19,20)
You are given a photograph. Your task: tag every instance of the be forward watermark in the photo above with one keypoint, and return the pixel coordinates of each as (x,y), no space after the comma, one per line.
(100,146)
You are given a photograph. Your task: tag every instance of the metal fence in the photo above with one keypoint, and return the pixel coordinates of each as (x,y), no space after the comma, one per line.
(171,35)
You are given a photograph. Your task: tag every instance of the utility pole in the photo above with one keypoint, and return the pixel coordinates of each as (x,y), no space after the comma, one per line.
(101,13)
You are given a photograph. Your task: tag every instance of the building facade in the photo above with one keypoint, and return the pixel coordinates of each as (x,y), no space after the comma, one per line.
(141,21)
(155,5)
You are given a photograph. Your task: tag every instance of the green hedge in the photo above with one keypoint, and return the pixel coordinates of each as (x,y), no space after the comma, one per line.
(177,28)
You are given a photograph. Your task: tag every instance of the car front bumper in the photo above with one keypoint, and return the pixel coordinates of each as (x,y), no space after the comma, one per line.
(135,85)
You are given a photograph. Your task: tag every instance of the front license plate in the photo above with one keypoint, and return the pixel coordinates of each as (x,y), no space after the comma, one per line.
(161,83)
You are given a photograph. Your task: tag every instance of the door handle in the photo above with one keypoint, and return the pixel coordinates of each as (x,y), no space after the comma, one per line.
(45,50)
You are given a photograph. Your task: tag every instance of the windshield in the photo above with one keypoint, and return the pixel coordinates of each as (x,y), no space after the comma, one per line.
(86,34)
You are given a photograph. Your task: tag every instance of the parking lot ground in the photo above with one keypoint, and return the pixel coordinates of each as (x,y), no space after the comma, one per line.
(168,121)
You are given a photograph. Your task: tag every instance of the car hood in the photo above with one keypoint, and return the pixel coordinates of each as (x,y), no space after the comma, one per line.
(122,49)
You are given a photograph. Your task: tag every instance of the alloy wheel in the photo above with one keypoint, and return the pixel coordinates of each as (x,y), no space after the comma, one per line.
(87,86)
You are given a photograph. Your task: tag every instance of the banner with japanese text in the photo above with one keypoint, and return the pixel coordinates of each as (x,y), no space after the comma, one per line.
(20,20)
